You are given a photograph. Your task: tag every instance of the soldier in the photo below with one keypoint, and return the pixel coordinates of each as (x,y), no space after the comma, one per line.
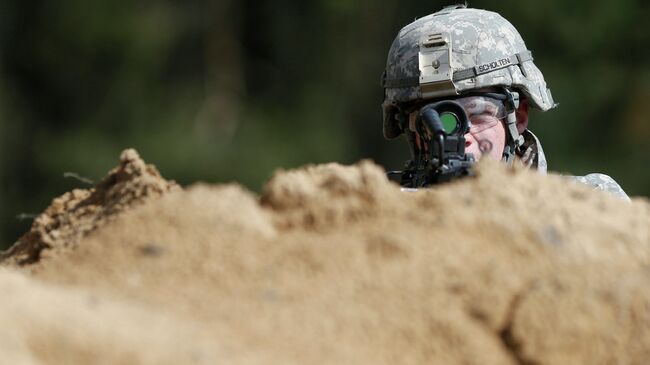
(477,59)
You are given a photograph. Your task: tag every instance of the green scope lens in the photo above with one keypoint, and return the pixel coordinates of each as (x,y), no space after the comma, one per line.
(449,122)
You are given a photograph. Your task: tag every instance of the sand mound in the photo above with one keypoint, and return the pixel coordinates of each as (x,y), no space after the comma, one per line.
(322,197)
(75,214)
(46,324)
(334,264)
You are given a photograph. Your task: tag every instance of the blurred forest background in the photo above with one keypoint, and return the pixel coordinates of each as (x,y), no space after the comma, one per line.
(227,90)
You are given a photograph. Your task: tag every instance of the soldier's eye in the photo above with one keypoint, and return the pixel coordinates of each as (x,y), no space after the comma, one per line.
(479,124)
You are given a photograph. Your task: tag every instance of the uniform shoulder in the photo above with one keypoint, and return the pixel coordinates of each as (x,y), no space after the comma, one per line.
(602,182)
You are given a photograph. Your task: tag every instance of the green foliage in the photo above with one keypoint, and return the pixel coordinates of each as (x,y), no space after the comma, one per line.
(230,91)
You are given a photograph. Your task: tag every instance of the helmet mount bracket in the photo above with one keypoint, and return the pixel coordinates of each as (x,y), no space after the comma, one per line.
(436,72)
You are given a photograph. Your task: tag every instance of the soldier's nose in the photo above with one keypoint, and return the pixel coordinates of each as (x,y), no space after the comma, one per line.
(468,140)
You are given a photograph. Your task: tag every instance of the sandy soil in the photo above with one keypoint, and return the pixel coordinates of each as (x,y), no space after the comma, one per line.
(331,264)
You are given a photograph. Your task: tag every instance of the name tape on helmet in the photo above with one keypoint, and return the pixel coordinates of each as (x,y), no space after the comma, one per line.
(515,59)
(495,65)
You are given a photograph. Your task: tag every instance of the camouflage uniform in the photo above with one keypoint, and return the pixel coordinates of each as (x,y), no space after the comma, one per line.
(457,51)
(535,158)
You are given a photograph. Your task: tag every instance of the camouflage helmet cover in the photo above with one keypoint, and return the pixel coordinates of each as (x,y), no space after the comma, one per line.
(458,50)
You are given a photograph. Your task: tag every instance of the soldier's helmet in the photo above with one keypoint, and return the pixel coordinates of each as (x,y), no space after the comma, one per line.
(454,52)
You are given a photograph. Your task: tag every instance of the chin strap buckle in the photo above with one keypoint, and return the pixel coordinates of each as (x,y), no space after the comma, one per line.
(515,140)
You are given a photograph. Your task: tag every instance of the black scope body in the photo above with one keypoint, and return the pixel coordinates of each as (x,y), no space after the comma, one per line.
(437,145)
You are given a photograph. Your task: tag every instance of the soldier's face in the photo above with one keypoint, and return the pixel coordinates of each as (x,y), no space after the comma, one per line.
(486,137)
(487,134)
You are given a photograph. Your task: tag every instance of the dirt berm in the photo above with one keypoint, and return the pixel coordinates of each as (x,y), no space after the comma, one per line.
(331,265)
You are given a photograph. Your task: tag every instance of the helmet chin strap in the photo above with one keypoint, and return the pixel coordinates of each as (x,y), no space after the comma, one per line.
(513,139)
